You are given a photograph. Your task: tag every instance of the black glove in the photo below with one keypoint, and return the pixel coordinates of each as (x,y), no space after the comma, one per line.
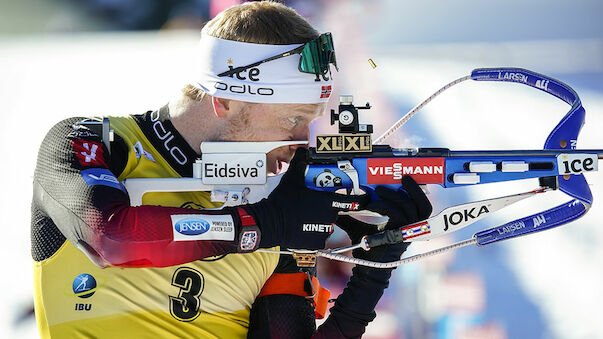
(294,216)
(355,306)
(401,208)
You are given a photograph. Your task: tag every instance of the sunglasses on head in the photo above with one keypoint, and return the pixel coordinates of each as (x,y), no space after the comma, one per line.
(315,57)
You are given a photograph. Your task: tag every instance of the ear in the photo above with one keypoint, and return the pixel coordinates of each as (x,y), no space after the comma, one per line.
(222,107)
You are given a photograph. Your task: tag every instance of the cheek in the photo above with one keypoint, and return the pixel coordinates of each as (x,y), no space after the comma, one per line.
(268,133)
(254,128)
(269,130)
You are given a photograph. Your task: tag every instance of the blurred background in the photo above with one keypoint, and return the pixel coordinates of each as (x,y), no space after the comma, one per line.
(61,58)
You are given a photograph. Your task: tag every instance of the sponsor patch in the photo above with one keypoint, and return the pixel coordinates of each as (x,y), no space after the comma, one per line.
(234,168)
(348,206)
(576,163)
(539,220)
(140,152)
(166,136)
(101,176)
(88,153)
(327,179)
(84,285)
(344,143)
(249,240)
(511,76)
(390,170)
(464,216)
(320,228)
(82,134)
(510,228)
(188,227)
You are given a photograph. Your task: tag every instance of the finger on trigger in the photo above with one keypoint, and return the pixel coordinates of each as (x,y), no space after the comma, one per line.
(417,195)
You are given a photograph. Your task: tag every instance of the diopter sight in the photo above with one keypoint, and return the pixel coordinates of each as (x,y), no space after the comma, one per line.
(348,116)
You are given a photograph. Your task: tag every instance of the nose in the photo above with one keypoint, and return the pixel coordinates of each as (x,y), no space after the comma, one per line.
(302,134)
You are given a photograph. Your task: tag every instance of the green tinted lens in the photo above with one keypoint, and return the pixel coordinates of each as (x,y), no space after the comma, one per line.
(317,54)
(328,49)
(309,61)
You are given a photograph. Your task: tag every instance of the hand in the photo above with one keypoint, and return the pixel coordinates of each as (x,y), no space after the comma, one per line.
(357,303)
(401,208)
(294,216)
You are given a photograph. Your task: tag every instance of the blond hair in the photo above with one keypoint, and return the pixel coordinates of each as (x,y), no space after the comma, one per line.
(260,22)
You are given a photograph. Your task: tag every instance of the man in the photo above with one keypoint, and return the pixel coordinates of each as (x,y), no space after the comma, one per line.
(106,269)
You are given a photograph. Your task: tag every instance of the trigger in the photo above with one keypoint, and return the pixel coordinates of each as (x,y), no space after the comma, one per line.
(346,167)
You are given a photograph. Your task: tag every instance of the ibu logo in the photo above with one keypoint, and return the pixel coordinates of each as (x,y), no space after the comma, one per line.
(84,285)
(192,226)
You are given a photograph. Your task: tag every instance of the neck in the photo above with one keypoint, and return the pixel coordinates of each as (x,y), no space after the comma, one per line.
(195,120)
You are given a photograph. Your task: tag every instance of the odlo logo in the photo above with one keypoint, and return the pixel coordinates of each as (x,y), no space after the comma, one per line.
(192,226)
(252,74)
(84,285)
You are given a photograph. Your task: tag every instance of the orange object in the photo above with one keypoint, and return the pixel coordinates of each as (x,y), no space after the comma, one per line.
(296,284)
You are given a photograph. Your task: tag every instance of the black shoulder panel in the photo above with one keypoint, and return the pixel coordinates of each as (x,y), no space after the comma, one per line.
(46,238)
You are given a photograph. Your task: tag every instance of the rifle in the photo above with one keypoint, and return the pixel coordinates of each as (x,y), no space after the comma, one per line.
(234,173)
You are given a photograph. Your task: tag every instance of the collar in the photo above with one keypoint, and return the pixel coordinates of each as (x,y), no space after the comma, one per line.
(160,131)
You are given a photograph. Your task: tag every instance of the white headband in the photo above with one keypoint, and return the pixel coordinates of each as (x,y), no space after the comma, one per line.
(276,81)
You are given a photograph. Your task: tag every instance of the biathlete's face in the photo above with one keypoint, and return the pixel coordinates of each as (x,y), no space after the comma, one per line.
(274,122)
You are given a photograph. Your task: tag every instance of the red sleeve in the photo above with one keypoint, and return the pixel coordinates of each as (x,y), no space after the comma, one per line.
(75,186)
(144,236)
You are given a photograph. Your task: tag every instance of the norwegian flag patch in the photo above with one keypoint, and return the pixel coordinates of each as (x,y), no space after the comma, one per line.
(326,92)
(88,153)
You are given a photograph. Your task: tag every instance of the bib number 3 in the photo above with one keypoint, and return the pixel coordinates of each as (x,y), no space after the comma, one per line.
(187,305)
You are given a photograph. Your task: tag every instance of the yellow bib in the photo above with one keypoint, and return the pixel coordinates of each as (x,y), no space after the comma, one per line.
(208,298)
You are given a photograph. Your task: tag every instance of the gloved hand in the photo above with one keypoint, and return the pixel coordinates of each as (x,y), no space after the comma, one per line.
(355,307)
(402,209)
(294,216)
